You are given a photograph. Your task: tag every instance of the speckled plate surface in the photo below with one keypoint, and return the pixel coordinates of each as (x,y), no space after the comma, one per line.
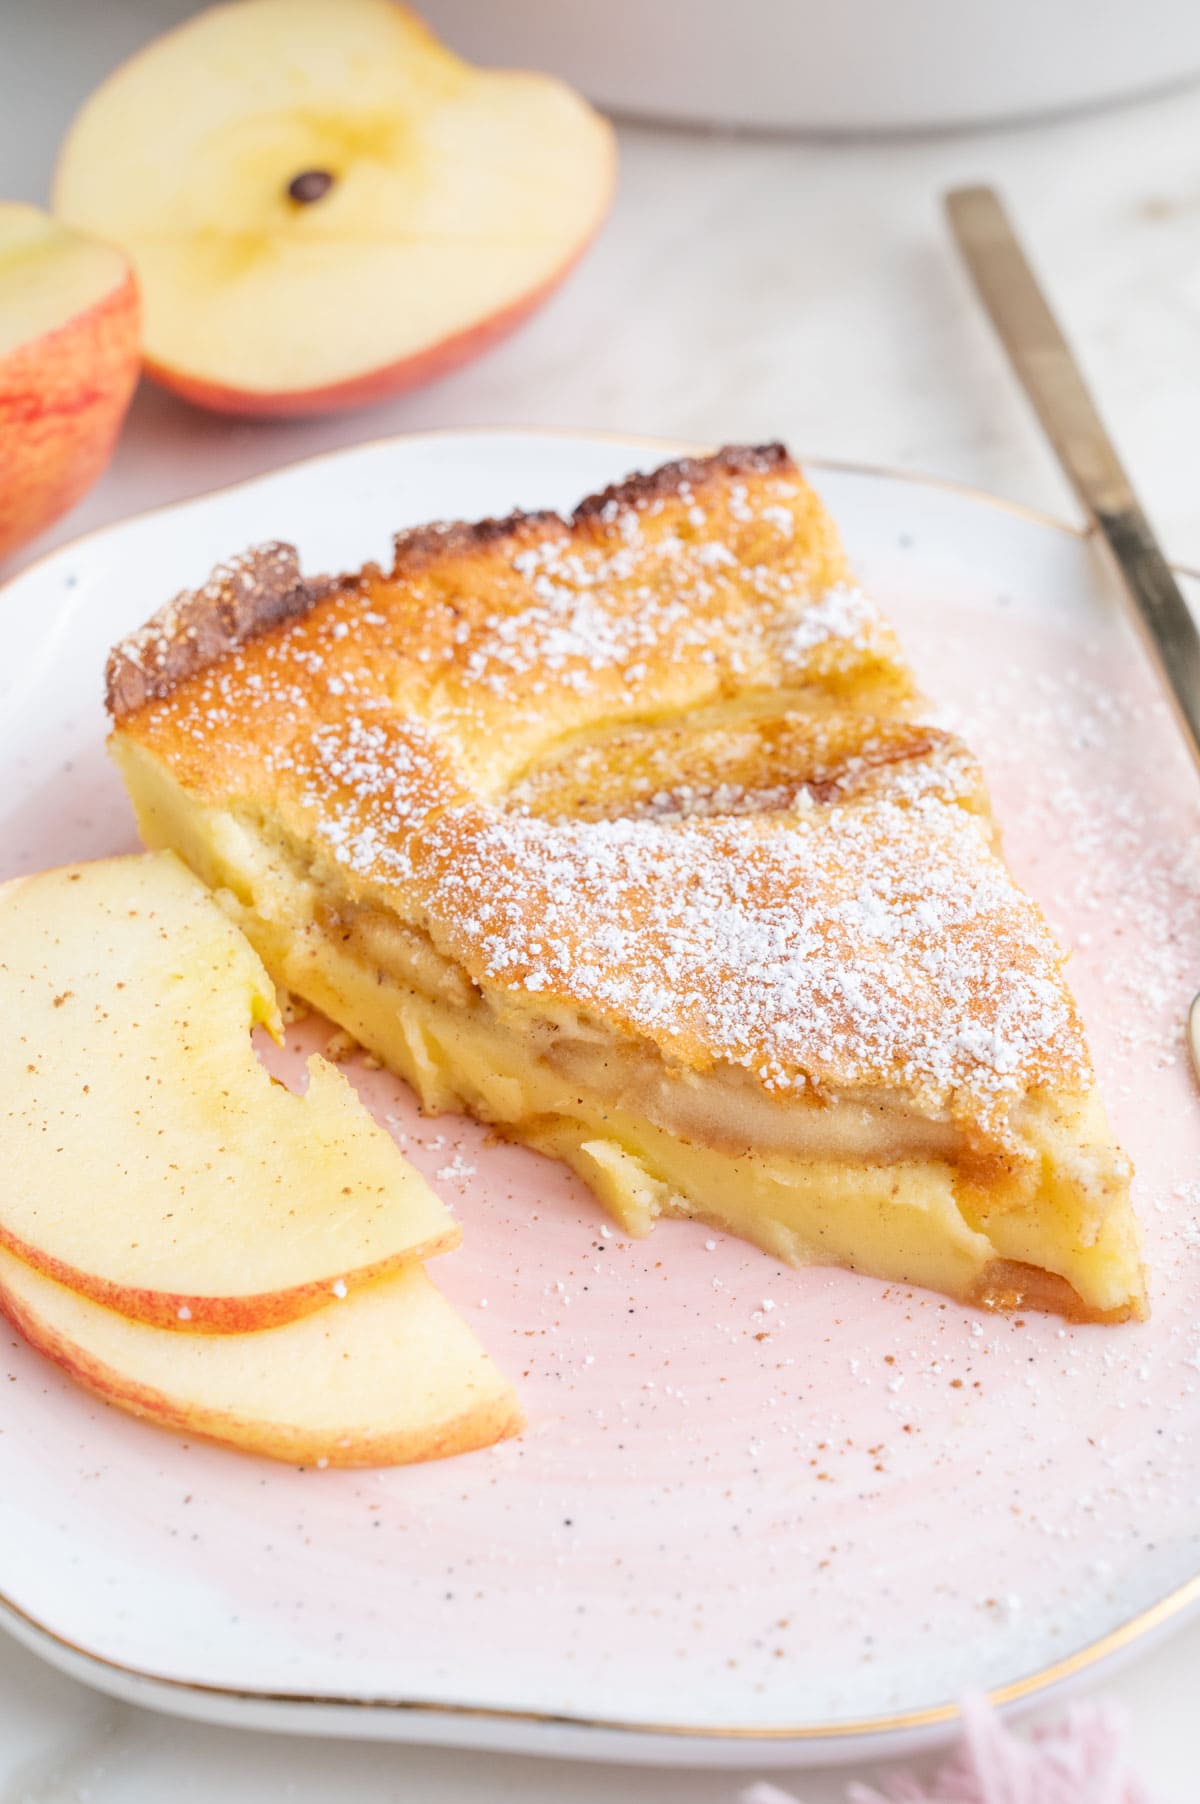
(757,1512)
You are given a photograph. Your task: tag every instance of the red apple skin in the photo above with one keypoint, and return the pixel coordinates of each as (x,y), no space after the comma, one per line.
(63,397)
(373,385)
(481,1426)
(211,1314)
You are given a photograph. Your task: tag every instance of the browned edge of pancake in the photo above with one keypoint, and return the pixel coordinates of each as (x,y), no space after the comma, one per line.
(241,599)
(263,587)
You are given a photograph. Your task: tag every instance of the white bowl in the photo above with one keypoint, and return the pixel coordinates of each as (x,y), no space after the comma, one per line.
(837,65)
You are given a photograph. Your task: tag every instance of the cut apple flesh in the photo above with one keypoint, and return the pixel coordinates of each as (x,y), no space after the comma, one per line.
(150,1160)
(48,275)
(324,204)
(389,1376)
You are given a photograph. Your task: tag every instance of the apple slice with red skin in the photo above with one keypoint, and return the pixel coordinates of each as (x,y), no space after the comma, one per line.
(325,205)
(389,1376)
(150,1162)
(69,360)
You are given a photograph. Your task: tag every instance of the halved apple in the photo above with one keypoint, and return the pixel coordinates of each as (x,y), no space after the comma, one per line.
(390,1376)
(150,1161)
(69,358)
(325,205)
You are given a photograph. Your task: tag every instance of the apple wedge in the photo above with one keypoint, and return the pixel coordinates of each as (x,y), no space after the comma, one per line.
(69,360)
(390,1376)
(150,1161)
(324,205)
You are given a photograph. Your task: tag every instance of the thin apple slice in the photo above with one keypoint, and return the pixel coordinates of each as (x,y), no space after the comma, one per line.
(324,205)
(69,360)
(390,1376)
(150,1160)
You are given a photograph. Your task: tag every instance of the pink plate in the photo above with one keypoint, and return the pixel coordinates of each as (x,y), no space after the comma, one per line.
(758,1513)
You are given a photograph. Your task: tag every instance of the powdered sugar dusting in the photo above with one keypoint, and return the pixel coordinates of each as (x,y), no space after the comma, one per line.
(569,632)
(837,944)
(841,612)
(844,935)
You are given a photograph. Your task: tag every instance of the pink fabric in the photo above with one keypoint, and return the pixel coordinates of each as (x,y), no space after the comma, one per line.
(1079,1760)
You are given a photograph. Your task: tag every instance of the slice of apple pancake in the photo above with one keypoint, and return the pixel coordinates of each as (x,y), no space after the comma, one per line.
(624,833)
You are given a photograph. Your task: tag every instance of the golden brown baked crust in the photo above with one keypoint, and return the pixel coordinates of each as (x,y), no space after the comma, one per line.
(807,890)
(263,587)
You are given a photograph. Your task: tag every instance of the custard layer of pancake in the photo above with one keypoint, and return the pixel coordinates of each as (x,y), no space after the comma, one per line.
(622,832)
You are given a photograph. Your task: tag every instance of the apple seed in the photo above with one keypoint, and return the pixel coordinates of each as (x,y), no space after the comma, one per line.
(309,185)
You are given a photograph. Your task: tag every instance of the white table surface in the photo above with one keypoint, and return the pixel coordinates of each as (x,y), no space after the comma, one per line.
(743,289)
